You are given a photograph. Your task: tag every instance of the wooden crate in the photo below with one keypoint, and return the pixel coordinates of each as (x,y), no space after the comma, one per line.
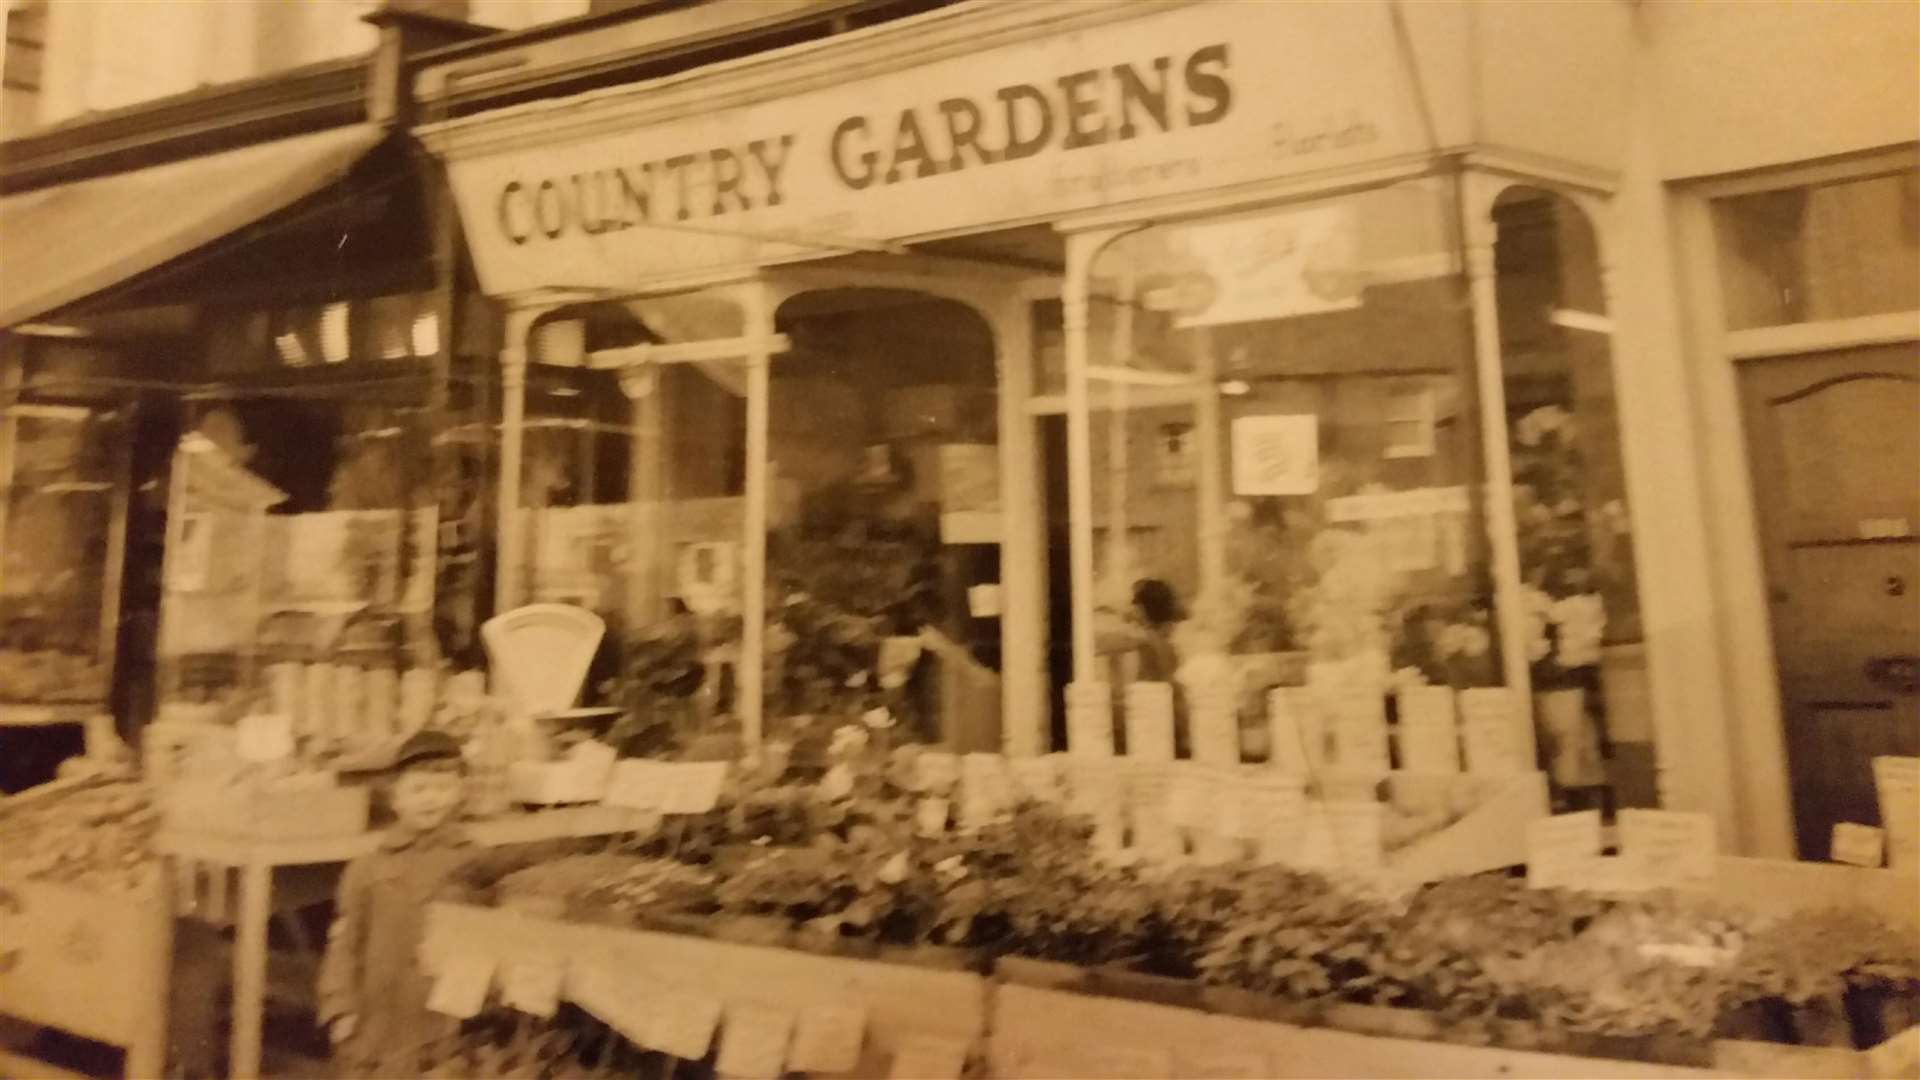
(95,964)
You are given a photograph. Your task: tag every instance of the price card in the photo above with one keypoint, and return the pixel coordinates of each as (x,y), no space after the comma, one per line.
(986,778)
(754,1044)
(1148,785)
(928,1057)
(930,815)
(637,784)
(1236,808)
(1150,721)
(593,763)
(1429,731)
(531,986)
(1214,724)
(317,693)
(1278,805)
(1089,720)
(1356,831)
(1897,782)
(1198,1063)
(683,1024)
(1858,845)
(828,1038)
(264,737)
(1038,778)
(286,688)
(1561,850)
(348,694)
(1359,722)
(694,787)
(627,1008)
(382,698)
(1315,849)
(1190,796)
(936,771)
(983,601)
(416,698)
(1293,723)
(461,988)
(1668,847)
(1493,722)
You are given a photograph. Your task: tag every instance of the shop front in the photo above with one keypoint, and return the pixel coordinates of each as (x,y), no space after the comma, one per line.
(1029,370)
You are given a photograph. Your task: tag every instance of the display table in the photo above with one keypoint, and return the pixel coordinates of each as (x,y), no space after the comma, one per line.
(254,861)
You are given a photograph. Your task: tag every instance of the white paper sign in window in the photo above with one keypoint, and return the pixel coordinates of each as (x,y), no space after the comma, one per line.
(1274,266)
(1276,455)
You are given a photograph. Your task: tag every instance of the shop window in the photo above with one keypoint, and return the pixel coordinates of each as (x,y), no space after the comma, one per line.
(885,518)
(1570,506)
(59,553)
(1316,357)
(1825,251)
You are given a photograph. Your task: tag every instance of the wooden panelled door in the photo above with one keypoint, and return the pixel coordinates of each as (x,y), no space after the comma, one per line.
(1834,443)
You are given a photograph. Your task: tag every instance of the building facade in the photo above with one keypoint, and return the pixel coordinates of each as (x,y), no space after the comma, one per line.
(1099,351)
(1446,290)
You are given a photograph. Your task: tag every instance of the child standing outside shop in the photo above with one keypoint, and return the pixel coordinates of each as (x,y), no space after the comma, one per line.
(373,995)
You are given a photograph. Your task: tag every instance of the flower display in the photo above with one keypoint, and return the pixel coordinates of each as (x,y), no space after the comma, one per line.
(1565,610)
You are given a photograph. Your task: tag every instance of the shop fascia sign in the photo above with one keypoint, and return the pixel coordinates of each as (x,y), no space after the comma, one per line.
(1184,100)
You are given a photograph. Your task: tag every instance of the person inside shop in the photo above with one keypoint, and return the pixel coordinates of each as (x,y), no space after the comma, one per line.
(1147,636)
(372,992)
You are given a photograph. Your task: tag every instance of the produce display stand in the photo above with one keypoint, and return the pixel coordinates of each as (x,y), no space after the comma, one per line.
(902,1001)
(255,861)
(1055,1021)
(91,963)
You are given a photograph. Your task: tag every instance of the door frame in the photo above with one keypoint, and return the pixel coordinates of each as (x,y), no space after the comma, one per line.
(1755,717)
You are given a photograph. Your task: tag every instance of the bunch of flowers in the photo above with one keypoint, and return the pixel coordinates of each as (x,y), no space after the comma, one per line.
(1345,616)
(1444,643)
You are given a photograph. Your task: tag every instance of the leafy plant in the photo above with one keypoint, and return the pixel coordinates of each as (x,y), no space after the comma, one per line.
(841,579)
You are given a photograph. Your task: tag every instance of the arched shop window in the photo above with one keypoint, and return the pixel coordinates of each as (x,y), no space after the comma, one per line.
(884,518)
(1585,640)
(1284,455)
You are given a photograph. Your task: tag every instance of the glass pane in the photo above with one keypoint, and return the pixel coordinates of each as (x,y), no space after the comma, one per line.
(1299,461)
(53,568)
(1825,252)
(1576,548)
(683,525)
(577,453)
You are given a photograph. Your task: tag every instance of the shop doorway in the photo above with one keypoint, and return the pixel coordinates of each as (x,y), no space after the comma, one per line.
(884,523)
(1832,440)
